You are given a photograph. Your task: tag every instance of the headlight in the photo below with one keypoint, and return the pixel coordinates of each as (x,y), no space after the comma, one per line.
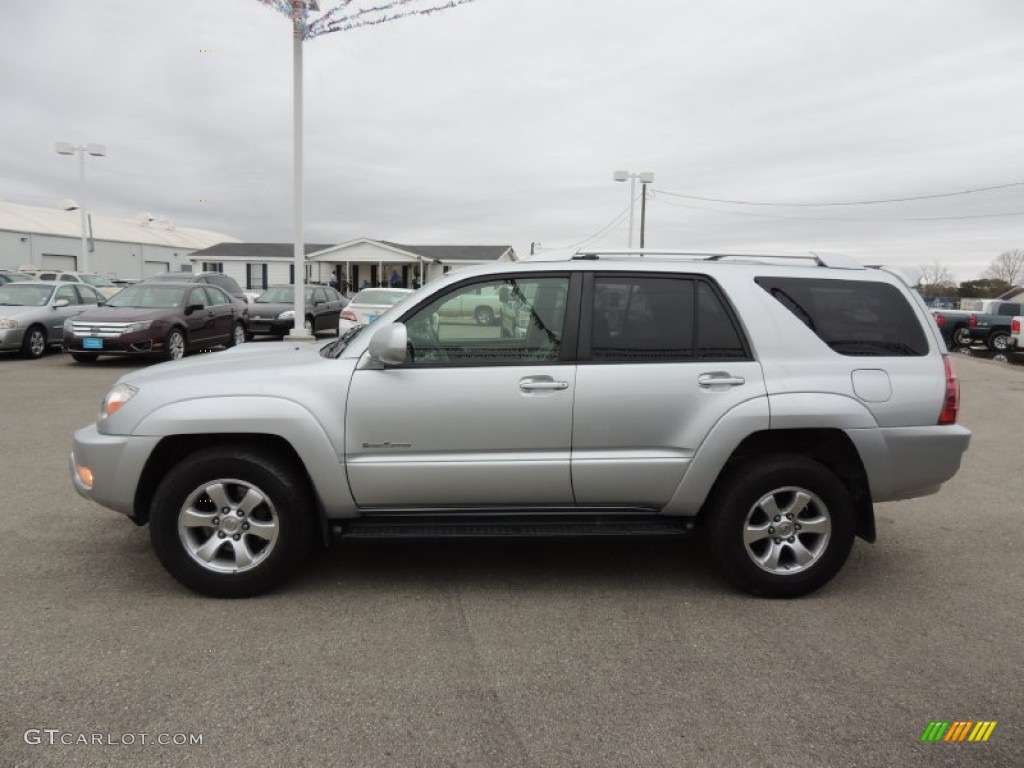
(8,323)
(115,398)
(136,327)
(288,314)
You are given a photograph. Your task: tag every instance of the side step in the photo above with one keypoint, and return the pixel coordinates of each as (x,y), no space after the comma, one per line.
(471,526)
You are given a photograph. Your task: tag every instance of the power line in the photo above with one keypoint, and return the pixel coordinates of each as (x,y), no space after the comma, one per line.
(617,220)
(851,202)
(836,218)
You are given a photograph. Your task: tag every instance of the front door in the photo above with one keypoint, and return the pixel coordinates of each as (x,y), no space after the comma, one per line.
(473,419)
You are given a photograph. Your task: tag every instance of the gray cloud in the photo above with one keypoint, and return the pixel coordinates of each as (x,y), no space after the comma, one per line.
(502,121)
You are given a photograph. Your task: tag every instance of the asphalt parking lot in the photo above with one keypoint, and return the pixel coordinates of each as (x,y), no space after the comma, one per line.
(553,654)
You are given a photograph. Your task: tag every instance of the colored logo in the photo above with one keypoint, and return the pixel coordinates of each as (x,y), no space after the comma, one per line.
(959,730)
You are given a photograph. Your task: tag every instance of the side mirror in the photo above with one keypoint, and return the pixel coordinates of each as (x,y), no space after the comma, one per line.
(388,345)
(193,308)
(61,303)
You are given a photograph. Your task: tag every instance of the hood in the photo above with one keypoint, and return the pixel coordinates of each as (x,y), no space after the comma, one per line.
(292,371)
(270,308)
(123,314)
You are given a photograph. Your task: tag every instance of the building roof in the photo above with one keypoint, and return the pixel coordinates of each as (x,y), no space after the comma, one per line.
(257,250)
(282,251)
(145,228)
(455,252)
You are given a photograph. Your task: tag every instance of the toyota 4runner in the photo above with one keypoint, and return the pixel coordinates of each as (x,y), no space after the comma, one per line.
(766,401)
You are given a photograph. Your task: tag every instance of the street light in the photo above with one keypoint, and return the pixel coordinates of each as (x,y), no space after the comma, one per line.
(645,179)
(96,150)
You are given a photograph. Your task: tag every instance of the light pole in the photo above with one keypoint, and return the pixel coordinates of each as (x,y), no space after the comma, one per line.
(96,150)
(645,178)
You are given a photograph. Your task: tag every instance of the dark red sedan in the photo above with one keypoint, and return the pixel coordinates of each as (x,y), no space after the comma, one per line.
(166,320)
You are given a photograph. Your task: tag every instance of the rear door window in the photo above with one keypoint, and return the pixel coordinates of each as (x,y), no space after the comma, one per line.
(654,318)
(857,318)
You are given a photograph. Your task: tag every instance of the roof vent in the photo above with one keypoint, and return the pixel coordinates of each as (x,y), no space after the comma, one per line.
(68,205)
(145,218)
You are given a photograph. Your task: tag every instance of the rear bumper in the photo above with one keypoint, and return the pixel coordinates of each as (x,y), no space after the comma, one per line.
(906,462)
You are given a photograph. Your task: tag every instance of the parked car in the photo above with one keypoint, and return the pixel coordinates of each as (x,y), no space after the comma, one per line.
(168,320)
(226,283)
(369,304)
(33,312)
(767,404)
(960,328)
(6,276)
(993,328)
(273,313)
(104,285)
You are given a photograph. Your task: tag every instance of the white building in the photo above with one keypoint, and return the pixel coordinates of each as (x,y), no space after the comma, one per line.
(354,263)
(124,248)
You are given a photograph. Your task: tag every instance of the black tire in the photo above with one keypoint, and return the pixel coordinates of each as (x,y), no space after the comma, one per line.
(33,345)
(998,341)
(238,335)
(962,337)
(484,316)
(175,345)
(737,509)
(191,553)
(84,357)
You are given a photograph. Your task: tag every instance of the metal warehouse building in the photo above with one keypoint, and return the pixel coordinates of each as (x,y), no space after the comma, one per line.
(123,248)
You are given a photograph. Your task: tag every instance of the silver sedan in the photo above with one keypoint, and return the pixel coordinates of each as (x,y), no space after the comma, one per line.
(32,313)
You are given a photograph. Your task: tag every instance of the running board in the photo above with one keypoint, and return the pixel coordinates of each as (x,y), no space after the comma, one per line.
(514,526)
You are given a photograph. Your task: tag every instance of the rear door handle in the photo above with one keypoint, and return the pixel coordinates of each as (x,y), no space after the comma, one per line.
(541,383)
(707,380)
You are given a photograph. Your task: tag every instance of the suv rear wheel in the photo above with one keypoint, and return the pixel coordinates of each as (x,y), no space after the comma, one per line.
(231,523)
(781,526)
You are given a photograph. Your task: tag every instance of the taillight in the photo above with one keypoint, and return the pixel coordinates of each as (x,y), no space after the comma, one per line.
(1015,325)
(951,400)
(972,320)
(941,320)
(348,314)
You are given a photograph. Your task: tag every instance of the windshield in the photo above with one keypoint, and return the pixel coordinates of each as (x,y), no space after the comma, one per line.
(148,297)
(97,281)
(379,296)
(282,294)
(23,295)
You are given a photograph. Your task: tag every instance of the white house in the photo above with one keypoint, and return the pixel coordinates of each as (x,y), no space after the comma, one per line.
(354,263)
(124,248)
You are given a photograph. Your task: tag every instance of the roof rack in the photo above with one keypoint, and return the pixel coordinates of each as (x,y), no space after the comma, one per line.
(831,260)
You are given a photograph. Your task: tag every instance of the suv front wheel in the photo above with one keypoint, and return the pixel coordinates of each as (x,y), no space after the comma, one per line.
(781,526)
(231,522)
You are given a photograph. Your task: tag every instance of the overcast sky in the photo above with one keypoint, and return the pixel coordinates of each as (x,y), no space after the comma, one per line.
(502,121)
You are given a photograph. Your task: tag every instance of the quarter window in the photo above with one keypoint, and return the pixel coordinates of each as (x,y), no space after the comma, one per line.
(857,318)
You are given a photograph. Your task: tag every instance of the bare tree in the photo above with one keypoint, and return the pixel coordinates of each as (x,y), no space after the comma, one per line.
(937,280)
(1008,266)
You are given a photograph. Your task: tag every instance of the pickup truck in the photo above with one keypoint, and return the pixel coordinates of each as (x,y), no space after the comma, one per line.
(1015,344)
(961,328)
(993,328)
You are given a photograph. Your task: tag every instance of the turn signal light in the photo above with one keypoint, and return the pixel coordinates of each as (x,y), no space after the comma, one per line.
(951,401)
(85,476)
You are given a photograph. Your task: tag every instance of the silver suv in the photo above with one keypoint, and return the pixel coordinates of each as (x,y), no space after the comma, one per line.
(766,401)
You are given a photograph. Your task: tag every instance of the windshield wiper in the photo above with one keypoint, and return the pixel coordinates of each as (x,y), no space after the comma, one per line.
(335,348)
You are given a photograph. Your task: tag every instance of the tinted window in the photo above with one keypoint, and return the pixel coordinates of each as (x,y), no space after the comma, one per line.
(642,319)
(717,335)
(319,295)
(854,317)
(527,324)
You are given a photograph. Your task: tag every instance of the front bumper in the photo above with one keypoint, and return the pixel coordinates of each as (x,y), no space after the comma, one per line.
(275,327)
(140,343)
(12,339)
(116,463)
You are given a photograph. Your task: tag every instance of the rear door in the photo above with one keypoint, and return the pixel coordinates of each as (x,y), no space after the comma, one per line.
(661,361)
(223,315)
(473,419)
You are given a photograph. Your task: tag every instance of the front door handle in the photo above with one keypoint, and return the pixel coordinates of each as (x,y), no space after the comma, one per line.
(719,379)
(541,383)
